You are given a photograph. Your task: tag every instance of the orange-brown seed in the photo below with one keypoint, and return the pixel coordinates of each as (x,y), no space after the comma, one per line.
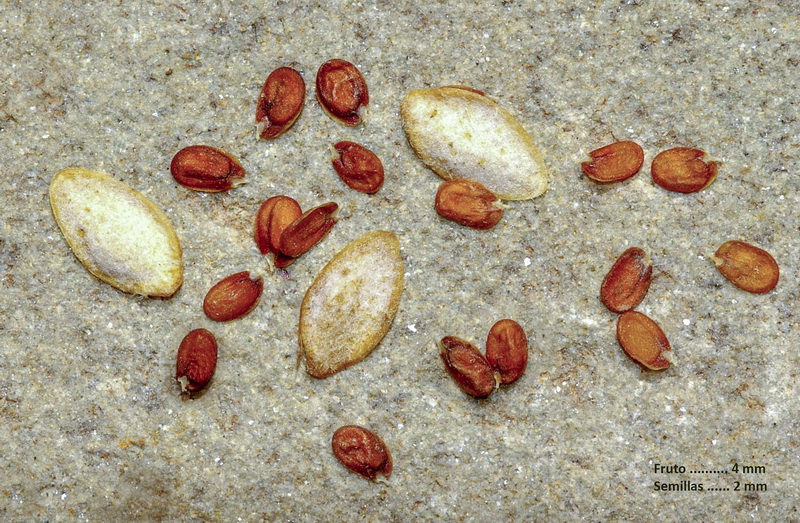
(362,451)
(272,218)
(358,167)
(643,340)
(614,163)
(683,169)
(507,350)
(233,297)
(196,361)
(626,284)
(280,102)
(206,168)
(467,366)
(468,203)
(748,267)
(342,91)
(307,230)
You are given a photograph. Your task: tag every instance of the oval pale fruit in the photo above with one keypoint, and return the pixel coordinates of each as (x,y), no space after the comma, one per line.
(350,306)
(117,234)
(460,133)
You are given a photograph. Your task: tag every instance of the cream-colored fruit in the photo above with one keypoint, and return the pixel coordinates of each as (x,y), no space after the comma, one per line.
(117,234)
(350,306)
(460,133)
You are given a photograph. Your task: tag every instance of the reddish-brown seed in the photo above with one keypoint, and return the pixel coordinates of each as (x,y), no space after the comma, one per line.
(467,366)
(206,168)
(272,218)
(614,163)
(280,102)
(683,170)
(468,203)
(643,340)
(626,284)
(233,297)
(342,91)
(362,451)
(358,167)
(507,350)
(307,230)
(748,267)
(197,360)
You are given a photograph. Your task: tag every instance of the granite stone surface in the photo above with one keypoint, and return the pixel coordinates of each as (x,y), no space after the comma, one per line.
(92,423)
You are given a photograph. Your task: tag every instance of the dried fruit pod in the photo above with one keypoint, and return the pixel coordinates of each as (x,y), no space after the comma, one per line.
(233,297)
(507,350)
(467,366)
(117,234)
(280,102)
(307,230)
(361,451)
(272,218)
(358,167)
(682,169)
(196,361)
(615,162)
(205,168)
(350,306)
(342,91)
(468,203)
(628,281)
(748,267)
(643,340)
(460,133)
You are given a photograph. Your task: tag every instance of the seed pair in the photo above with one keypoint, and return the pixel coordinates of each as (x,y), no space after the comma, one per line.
(680,169)
(505,361)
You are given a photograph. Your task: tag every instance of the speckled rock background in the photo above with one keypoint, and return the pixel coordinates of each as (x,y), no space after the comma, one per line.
(92,425)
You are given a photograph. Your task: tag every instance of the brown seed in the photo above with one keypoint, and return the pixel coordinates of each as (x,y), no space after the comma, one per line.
(280,102)
(342,91)
(468,203)
(626,284)
(358,167)
(272,218)
(614,163)
(197,360)
(307,230)
(507,350)
(361,451)
(643,340)
(748,267)
(683,170)
(233,297)
(467,366)
(206,168)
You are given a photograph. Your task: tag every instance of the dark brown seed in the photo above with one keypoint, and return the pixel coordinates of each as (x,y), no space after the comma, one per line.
(467,366)
(507,350)
(628,281)
(362,452)
(197,360)
(468,203)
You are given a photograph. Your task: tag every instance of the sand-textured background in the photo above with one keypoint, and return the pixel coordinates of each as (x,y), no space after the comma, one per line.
(92,425)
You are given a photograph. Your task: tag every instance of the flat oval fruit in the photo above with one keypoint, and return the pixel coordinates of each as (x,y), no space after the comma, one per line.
(643,340)
(350,306)
(748,267)
(117,234)
(460,133)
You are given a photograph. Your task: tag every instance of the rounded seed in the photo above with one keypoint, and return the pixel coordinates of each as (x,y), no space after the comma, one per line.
(507,350)
(206,168)
(358,167)
(280,102)
(468,203)
(682,169)
(643,340)
(342,91)
(467,366)
(361,451)
(272,218)
(628,281)
(233,297)
(748,267)
(197,360)
(614,163)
